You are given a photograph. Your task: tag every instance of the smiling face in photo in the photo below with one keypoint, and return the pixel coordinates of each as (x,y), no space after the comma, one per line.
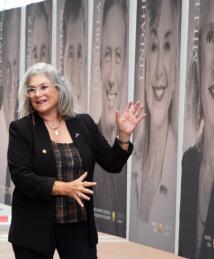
(160,73)
(74,57)
(40,42)
(207,66)
(112,61)
(11,71)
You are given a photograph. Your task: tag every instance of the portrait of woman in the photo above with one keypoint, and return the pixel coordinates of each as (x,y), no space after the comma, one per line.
(38,32)
(10,76)
(75,48)
(155,177)
(197,192)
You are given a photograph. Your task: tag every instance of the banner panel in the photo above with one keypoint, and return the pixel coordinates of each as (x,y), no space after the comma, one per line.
(38,33)
(72,46)
(9,78)
(109,90)
(196,236)
(154,161)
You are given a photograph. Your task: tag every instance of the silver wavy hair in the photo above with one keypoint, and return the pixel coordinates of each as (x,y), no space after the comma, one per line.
(67,105)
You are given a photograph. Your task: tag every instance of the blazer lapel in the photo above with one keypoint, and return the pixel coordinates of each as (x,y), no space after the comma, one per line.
(43,147)
(80,141)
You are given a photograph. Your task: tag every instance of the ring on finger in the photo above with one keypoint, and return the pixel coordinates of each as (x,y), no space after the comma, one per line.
(79,194)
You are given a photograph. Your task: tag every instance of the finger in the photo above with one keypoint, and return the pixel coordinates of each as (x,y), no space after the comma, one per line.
(77,198)
(117,115)
(83,176)
(128,107)
(141,117)
(138,110)
(87,191)
(136,107)
(84,196)
(89,184)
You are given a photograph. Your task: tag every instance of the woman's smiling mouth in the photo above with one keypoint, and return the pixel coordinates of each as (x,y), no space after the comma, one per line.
(158,92)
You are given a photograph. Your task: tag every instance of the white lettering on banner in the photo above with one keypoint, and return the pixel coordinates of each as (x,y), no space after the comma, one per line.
(141,59)
(29,30)
(1,39)
(96,51)
(61,43)
(195,37)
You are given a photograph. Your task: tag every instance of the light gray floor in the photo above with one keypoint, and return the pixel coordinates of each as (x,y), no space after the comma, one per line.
(109,247)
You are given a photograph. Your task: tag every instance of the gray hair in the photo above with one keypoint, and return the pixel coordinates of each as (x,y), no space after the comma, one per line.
(67,105)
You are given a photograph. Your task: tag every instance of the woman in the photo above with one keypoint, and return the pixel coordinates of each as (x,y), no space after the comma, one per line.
(51,155)
(159,161)
(197,192)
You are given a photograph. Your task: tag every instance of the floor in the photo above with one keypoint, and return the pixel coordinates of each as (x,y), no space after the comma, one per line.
(109,247)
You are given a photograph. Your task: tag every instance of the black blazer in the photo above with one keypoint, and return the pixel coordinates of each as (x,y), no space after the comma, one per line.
(33,171)
(191,164)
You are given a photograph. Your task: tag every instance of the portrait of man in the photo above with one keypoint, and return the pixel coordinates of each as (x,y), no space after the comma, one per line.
(110,206)
(38,32)
(154,179)
(10,81)
(75,48)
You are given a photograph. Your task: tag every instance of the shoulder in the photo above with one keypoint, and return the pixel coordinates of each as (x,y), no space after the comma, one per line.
(191,162)
(191,155)
(22,124)
(85,119)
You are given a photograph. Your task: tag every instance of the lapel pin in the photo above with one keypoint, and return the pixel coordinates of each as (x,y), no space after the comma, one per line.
(44,151)
(77,135)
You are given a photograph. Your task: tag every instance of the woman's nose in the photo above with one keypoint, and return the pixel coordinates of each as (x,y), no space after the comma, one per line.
(112,76)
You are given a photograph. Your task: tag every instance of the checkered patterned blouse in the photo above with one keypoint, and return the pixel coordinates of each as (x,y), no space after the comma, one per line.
(69,167)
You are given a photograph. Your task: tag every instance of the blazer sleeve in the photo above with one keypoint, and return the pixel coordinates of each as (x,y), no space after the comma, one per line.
(20,161)
(110,158)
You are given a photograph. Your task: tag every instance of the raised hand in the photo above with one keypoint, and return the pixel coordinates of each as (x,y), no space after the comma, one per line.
(129,119)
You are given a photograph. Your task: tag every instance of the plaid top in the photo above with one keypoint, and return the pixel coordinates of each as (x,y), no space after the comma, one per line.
(69,167)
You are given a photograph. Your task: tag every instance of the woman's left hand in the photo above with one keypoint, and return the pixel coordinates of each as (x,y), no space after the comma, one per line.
(129,119)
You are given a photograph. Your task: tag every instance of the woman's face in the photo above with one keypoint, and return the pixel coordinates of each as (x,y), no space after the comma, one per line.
(160,73)
(46,97)
(112,62)
(40,41)
(11,69)
(74,57)
(207,66)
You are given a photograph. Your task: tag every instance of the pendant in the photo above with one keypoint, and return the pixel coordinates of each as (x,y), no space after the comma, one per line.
(56,132)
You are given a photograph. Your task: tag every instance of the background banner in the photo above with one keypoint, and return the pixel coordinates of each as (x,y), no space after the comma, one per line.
(72,42)
(108,92)
(38,32)
(196,236)
(154,162)
(9,77)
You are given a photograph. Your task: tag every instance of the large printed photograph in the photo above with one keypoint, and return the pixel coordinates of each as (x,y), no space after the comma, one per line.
(108,91)
(9,78)
(196,235)
(38,33)
(72,50)
(154,161)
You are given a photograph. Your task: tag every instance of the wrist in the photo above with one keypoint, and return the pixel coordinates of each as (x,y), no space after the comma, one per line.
(123,138)
(122,142)
(59,188)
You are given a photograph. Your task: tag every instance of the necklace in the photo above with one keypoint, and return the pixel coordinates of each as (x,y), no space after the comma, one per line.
(56,130)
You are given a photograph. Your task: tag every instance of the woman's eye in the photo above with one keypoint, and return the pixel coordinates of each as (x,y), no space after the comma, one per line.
(153,47)
(44,87)
(167,45)
(210,36)
(30,90)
